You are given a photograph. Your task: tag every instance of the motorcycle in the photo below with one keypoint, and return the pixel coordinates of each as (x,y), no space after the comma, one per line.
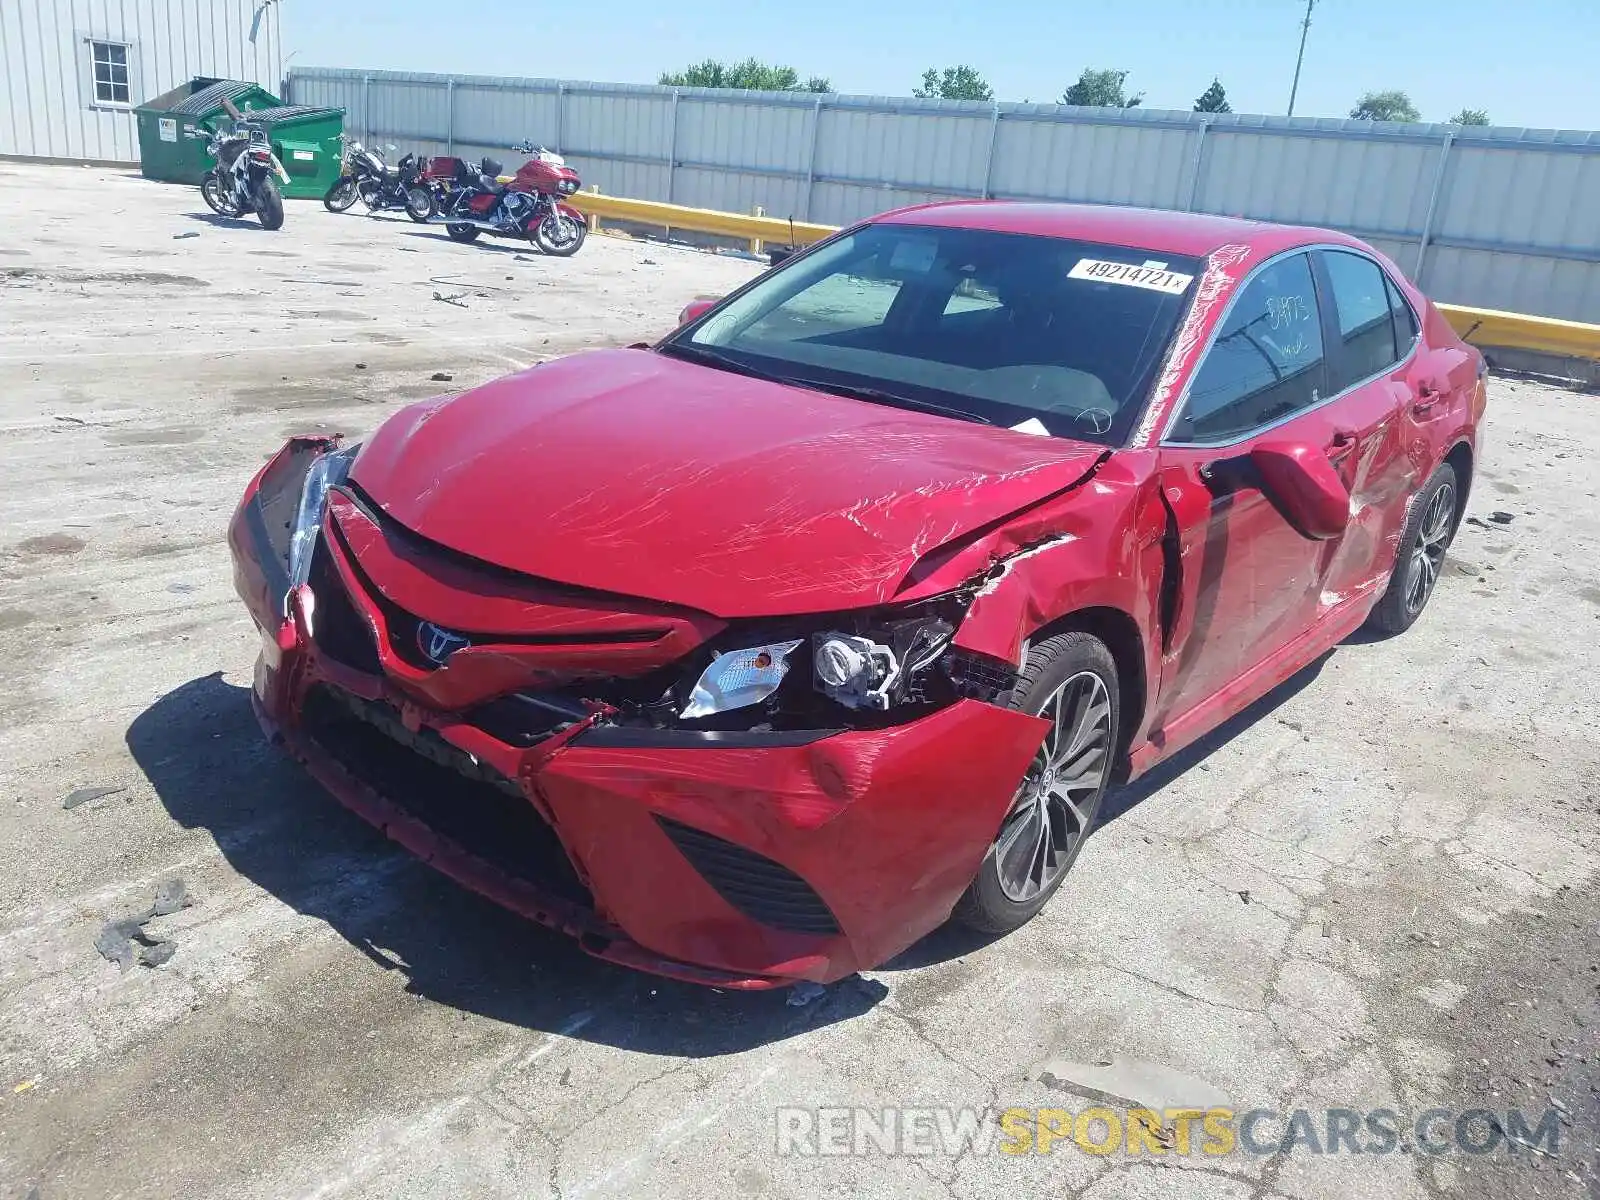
(365,176)
(242,180)
(531,207)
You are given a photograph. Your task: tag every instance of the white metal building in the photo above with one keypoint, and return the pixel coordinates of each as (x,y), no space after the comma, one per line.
(72,71)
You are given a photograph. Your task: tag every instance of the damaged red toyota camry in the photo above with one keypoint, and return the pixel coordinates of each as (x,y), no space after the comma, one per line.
(755,655)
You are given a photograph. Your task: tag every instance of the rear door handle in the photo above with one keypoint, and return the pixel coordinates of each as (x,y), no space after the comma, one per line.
(1428,395)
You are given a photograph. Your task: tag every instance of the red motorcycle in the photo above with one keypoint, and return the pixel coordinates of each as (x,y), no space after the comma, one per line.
(471,200)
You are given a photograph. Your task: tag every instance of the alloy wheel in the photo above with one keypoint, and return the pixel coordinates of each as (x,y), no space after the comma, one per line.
(1056,803)
(1427,554)
(560,229)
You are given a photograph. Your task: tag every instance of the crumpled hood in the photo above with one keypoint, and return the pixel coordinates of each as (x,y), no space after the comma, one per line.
(631,472)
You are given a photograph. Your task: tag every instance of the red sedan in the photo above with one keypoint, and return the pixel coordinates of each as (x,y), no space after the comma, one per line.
(753,656)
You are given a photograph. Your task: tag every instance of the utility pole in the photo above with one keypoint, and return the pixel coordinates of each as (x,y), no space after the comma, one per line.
(1305,28)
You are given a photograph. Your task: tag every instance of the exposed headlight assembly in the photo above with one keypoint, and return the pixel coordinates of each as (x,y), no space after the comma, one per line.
(871,669)
(326,472)
(739,678)
(866,672)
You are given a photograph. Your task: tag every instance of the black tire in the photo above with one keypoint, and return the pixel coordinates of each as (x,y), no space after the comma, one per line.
(419,204)
(1430,528)
(341,195)
(461,232)
(211,190)
(269,205)
(559,235)
(1058,669)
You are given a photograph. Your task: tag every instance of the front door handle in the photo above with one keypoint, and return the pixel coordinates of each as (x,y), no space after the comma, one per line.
(1342,442)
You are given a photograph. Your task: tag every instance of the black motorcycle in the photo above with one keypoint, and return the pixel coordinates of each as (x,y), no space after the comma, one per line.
(242,181)
(366,177)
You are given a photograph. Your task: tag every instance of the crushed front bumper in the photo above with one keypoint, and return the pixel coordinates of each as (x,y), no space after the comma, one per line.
(750,862)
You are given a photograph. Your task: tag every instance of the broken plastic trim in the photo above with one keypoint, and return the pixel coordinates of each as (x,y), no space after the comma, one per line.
(326,472)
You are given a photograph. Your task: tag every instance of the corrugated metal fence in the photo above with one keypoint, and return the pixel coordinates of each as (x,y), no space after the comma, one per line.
(1498,218)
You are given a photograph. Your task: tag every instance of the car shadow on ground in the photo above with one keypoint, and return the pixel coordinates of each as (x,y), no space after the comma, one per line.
(204,754)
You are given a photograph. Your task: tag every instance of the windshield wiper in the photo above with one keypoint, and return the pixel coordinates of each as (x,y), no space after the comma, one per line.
(894,399)
(713,358)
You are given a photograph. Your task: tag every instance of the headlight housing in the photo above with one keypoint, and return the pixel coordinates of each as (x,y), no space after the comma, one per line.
(326,472)
(871,667)
(738,679)
(881,668)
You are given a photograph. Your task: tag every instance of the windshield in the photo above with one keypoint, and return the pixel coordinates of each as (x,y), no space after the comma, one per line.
(1043,334)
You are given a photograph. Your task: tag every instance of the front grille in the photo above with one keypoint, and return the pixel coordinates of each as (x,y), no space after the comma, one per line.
(403,627)
(759,888)
(451,793)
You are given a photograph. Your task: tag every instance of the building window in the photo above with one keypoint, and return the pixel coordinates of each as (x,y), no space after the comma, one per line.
(110,60)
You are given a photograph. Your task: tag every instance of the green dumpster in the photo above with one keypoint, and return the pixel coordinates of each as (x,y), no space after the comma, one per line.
(306,141)
(165,150)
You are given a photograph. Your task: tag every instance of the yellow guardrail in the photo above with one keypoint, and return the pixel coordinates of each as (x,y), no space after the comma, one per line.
(1480,326)
(1514,331)
(757,228)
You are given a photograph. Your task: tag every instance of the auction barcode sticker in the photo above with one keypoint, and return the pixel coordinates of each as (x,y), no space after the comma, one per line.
(1153,278)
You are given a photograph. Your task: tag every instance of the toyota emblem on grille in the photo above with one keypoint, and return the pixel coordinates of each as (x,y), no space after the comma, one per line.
(439,644)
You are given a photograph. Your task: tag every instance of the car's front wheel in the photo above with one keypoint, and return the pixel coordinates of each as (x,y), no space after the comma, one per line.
(1430,527)
(1071,681)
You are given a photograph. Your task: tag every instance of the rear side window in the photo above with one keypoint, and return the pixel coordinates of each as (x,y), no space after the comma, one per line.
(1363,300)
(1405,321)
(1266,362)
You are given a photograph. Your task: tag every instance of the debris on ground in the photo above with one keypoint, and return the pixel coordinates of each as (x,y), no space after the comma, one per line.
(125,942)
(361,366)
(70,420)
(178,237)
(1245,895)
(455,299)
(1501,518)
(804,993)
(441,377)
(85,794)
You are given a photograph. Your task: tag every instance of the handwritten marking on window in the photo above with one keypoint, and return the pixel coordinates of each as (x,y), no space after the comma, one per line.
(1284,311)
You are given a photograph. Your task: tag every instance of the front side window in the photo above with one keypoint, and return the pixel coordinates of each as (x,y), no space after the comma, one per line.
(110,64)
(1361,302)
(1266,362)
(1057,336)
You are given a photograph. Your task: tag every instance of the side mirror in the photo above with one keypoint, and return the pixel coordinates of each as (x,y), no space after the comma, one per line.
(1300,480)
(697,308)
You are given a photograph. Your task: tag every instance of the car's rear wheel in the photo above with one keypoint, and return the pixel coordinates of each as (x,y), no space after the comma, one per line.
(1430,527)
(1071,680)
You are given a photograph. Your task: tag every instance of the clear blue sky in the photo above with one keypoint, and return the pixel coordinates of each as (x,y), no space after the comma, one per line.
(1530,63)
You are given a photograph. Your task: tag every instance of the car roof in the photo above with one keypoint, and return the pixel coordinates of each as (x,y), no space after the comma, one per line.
(1194,234)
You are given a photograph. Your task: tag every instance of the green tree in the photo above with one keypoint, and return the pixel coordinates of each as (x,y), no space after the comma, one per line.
(749,74)
(1385,106)
(1106,89)
(954,83)
(1470,116)
(1214,99)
